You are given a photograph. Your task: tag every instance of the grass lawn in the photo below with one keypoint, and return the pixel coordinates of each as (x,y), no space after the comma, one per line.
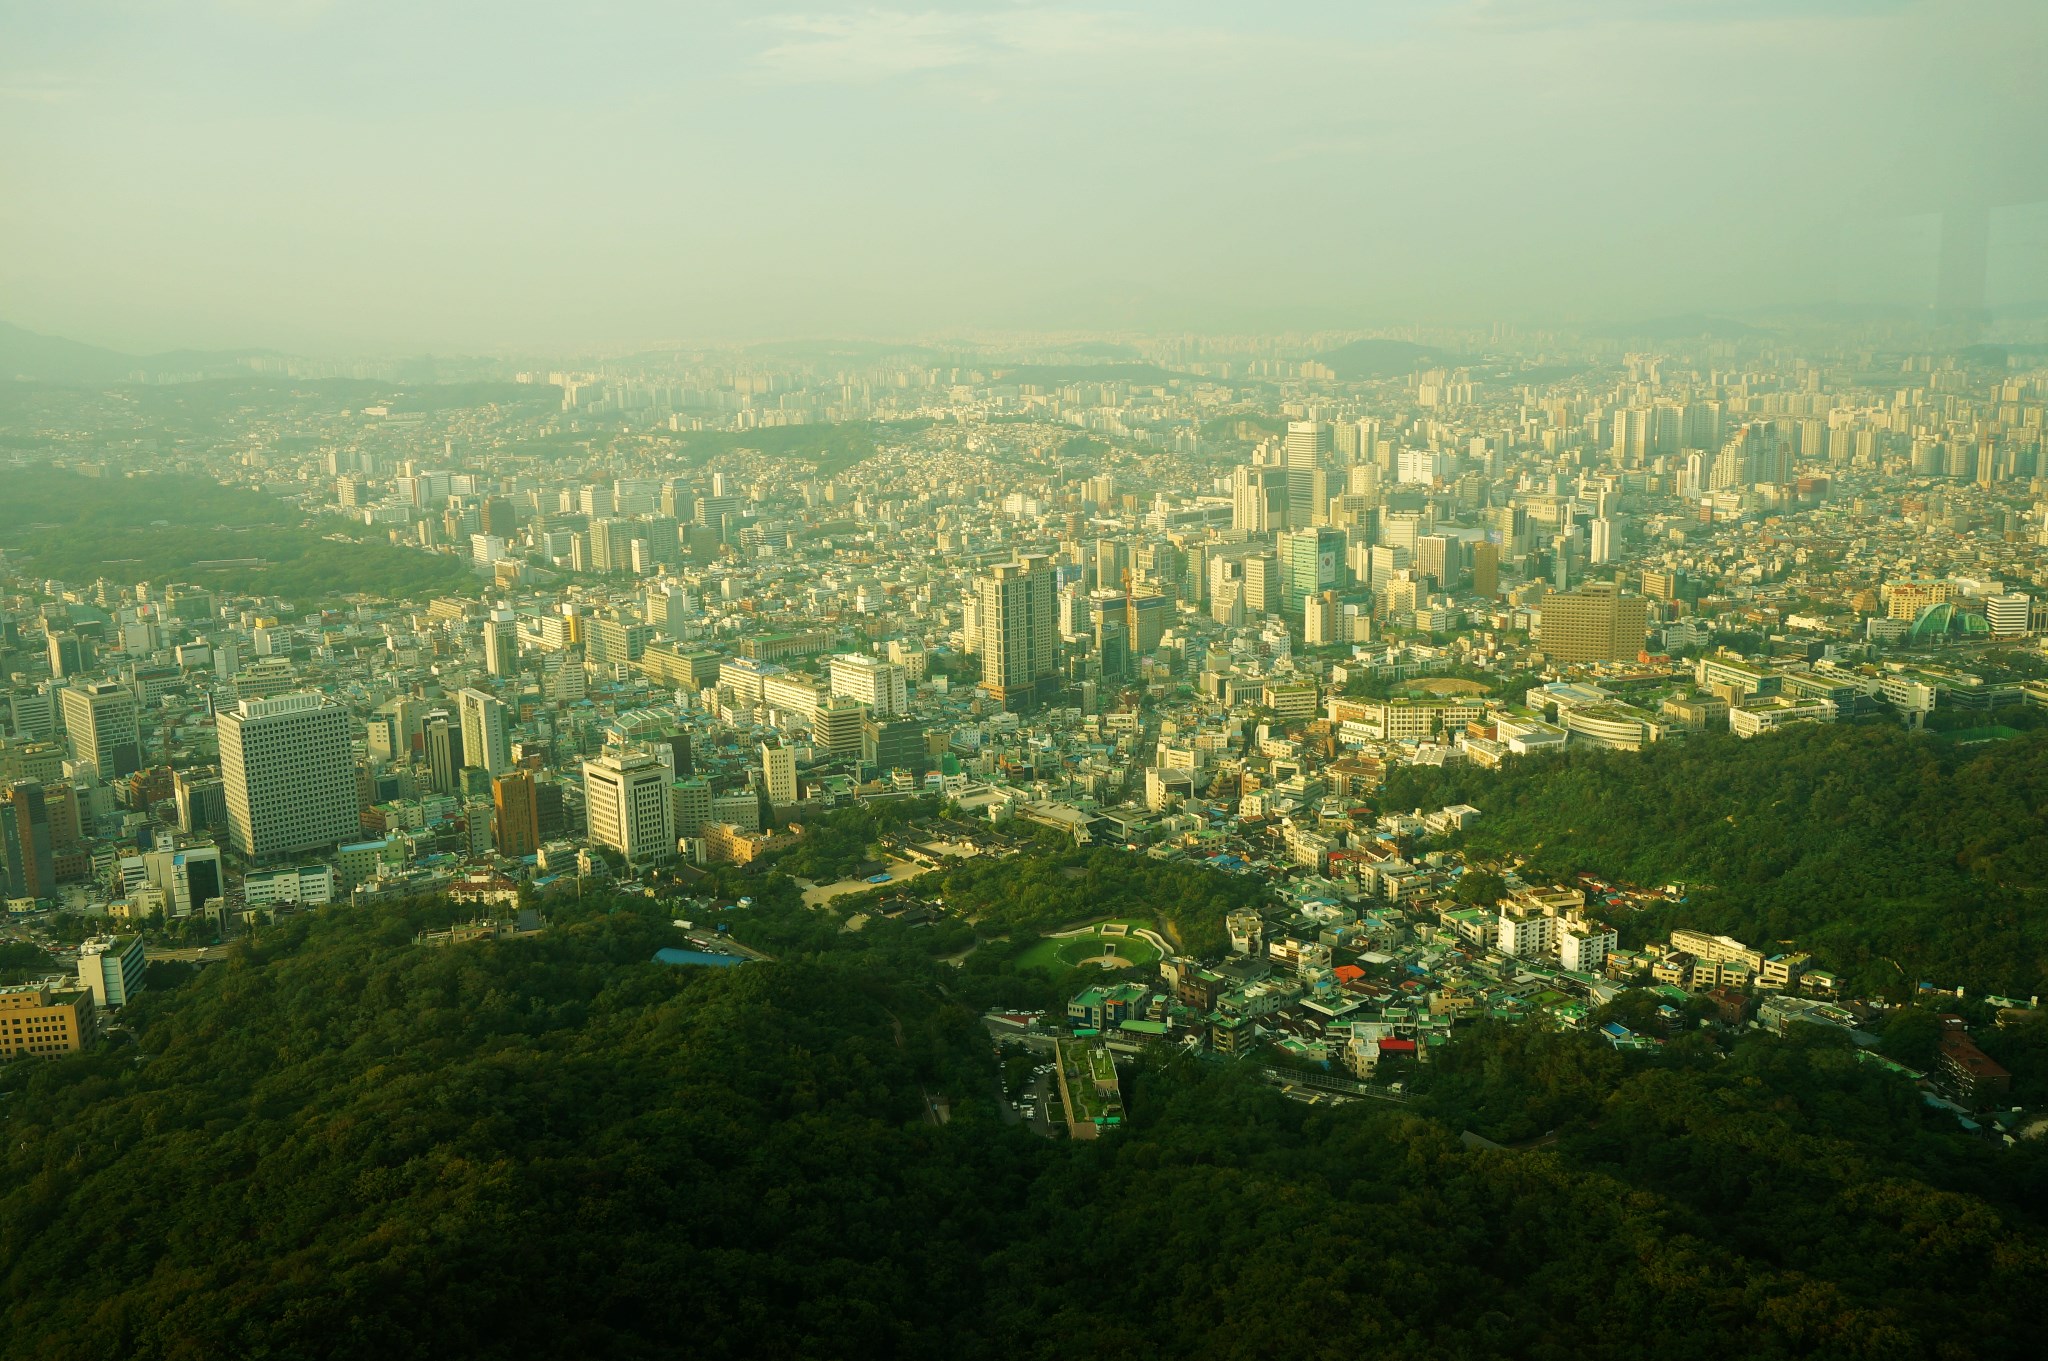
(1053,956)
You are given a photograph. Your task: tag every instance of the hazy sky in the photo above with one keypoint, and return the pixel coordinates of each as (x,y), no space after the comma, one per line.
(332,174)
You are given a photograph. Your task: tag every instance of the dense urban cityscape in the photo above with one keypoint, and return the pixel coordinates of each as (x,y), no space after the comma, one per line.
(826,633)
(1023,680)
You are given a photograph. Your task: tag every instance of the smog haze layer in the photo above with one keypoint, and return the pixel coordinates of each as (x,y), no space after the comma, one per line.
(346,174)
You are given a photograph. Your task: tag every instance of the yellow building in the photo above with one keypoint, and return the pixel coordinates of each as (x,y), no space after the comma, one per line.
(36,1020)
(1595,623)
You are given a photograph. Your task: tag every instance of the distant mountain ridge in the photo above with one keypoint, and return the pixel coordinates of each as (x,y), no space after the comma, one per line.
(1378,357)
(29,356)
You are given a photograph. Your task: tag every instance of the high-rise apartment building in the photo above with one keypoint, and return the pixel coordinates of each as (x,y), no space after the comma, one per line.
(1019,636)
(626,800)
(103,725)
(1595,623)
(289,774)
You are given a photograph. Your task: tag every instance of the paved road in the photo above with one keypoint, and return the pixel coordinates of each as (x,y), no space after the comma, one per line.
(201,954)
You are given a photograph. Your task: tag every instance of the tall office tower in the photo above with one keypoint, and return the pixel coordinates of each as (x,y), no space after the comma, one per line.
(1310,561)
(34,713)
(880,685)
(486,743)
(501,644)
(682,762)
(104,728)
(202,801)
(289,774)
(1112,560)
(444,752)
(26,838)
(1072,610)
(1319,620)
(1163,567)
(70,656)
(1020,656)
(1306,451)
(1485,570)
(515,815)
(837,725)
(1146,617)
(625,797)
(1263,589)
(668,613)
(190,877)
(778,773)
(1595,623)
(1388,559)
(1108,625)
(1259,499)
(1401,528)
(1307,444)
(1508,527)
(1667,426)
(616,643)
(1603,541)
(1441,558)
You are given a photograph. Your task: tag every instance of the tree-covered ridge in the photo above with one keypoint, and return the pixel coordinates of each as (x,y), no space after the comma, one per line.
(1043,891)
(1891,856)
(345,1144)
(81,528)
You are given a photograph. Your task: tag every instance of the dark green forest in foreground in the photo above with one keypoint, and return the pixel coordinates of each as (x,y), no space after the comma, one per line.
(344,1144)
(1892,856)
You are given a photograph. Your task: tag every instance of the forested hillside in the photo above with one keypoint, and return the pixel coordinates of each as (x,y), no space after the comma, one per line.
(1892,856)
(344,1144)
(166,527)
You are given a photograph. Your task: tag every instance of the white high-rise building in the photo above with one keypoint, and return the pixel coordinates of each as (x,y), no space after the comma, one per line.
(880,685)
(778,771)
(501,643)
(1603,541)
(2010,615)
(626,800)
(486,744)
(289,775)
